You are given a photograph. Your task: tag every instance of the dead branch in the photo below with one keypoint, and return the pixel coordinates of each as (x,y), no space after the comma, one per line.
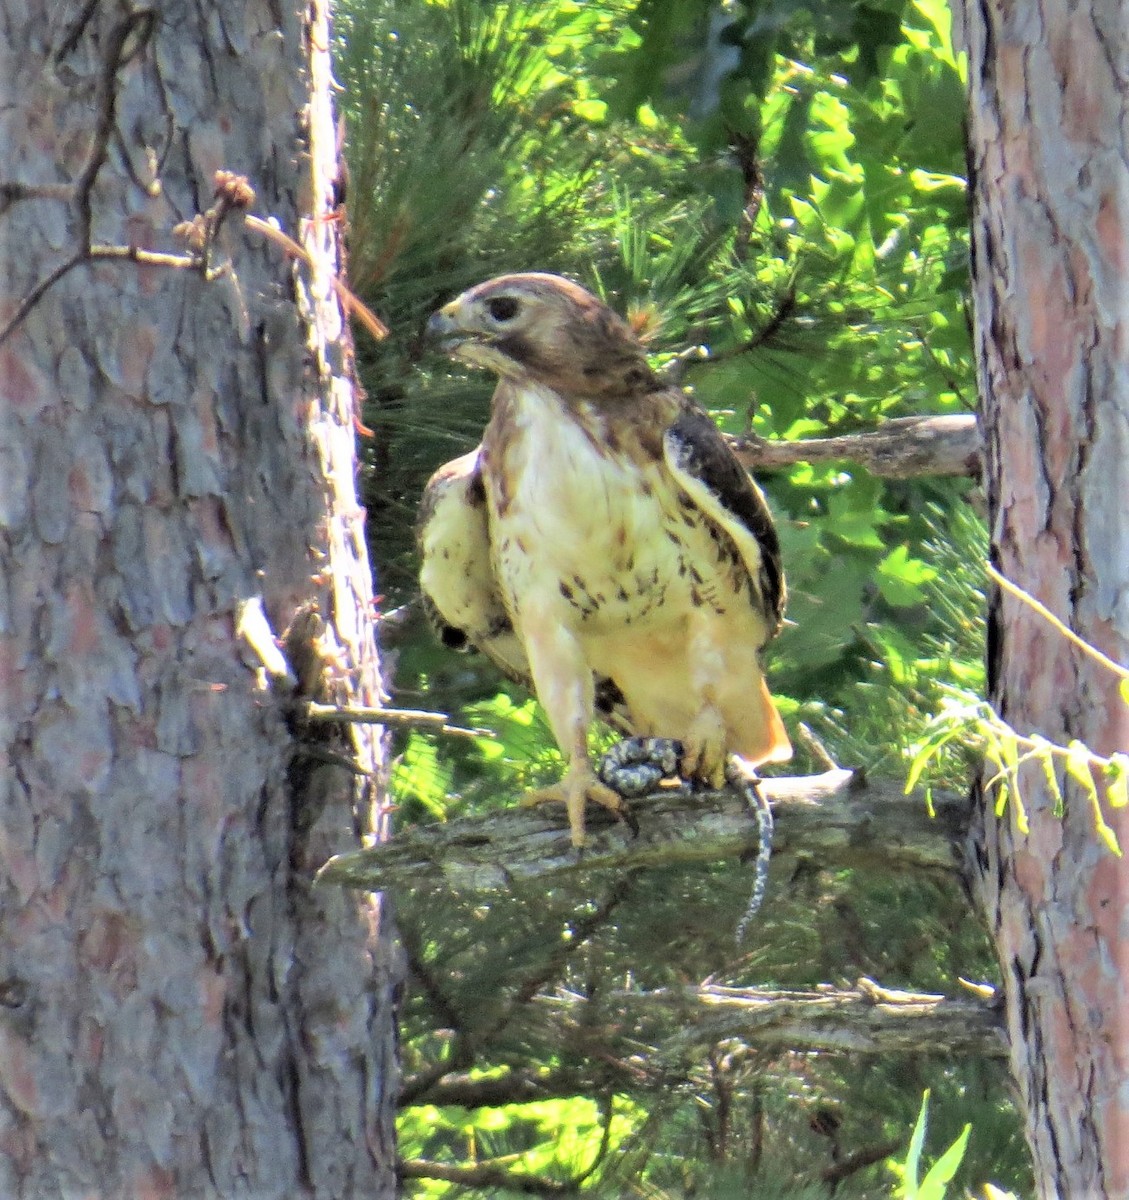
(486,1175)
(865,1019)
(860,1160)
(902,448)
(350,301)
(490,1091)
(390,718)
(838,819)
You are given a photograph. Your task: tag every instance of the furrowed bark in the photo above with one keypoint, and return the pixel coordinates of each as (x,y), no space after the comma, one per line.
(181,1014)
(1048,146)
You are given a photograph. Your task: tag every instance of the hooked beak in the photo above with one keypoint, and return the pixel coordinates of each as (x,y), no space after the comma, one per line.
(447,332)
(444,331)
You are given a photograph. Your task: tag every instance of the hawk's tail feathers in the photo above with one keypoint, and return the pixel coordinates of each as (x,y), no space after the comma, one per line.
(777,747)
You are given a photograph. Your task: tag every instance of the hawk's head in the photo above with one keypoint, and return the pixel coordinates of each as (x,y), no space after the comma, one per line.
(546,328)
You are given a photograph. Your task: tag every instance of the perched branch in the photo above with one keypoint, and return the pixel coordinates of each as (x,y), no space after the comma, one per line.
(901,448)
(838,818)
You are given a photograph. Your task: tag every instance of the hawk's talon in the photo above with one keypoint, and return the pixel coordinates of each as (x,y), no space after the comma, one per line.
(579,787)
(704,757)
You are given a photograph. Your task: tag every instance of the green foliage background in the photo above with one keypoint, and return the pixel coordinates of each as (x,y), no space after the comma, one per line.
(780,183)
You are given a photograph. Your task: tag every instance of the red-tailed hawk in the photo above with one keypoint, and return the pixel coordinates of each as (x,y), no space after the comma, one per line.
(602,543)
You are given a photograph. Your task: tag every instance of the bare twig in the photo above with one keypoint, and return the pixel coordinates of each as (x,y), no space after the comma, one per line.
(350,301)
(233,192)
(816,748)
(37,293)
(1015,590)
(862,1158)
(125,41)
(391,718)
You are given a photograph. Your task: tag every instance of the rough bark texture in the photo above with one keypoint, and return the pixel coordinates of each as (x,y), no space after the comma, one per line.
(1049,121)
(180,1014)
(838,819)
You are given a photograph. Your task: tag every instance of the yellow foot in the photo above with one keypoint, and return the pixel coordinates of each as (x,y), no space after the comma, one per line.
(703,755)
(575,790)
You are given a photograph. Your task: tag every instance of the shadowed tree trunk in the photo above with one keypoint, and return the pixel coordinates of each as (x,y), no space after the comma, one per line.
(1049,82)
(181,1013)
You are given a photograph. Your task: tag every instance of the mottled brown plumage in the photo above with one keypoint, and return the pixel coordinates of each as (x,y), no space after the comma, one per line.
(602,543)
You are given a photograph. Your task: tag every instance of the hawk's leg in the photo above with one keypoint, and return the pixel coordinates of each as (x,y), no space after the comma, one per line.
(564,685)
(705,750)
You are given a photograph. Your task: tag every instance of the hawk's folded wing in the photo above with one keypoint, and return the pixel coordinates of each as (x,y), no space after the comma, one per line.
(460,589)
(720,487)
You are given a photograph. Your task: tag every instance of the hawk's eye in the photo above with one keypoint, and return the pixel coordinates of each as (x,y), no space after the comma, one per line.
(502,308)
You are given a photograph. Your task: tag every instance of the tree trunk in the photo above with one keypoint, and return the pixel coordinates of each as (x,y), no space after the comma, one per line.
(181,1013)
(1051,251)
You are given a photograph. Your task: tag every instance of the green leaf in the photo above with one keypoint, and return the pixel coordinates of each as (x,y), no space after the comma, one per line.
(916,1145)
(1079,766)
(1044,754)
(590,110)
(851,520)
(901,576)
(939,15)
(1117,781)
(940,1175)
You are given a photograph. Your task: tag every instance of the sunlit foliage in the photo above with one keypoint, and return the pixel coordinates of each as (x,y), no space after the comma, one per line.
(781,184)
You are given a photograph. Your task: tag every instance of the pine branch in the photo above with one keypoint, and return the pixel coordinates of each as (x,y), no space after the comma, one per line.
(860,1160)
(486,1175)
(491,1091)
(838,819)
(901,448)
(865,1019)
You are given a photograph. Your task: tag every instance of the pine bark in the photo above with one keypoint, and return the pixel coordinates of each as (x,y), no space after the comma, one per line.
(181,1013)
(1048,129)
